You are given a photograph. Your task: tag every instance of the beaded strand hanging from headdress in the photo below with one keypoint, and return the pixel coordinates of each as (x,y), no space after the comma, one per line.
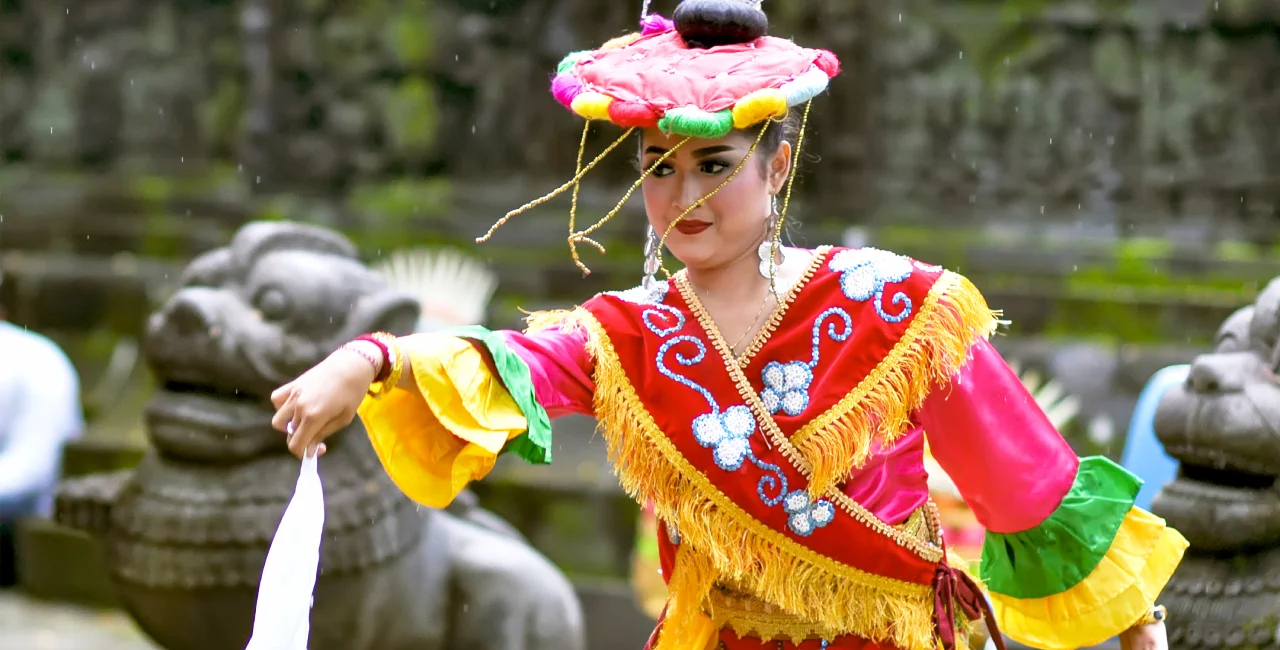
(704,74)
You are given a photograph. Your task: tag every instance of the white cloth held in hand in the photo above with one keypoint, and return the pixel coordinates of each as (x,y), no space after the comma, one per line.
(282,619)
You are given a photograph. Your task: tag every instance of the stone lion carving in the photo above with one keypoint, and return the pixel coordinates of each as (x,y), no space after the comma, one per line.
(186,533)
(1223,427)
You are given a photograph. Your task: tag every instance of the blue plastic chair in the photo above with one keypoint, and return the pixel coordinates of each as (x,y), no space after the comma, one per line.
(1143,454)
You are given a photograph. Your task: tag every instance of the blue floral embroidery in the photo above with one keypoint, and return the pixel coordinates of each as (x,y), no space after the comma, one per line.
(727,433)
(786,385)
(806,515)
(864,272)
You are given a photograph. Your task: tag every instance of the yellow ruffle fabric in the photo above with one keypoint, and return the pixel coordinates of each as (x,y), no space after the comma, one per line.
(433,446)
(1114,596)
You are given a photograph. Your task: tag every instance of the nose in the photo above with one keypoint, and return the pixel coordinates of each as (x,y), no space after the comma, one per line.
(187,316)
(1218,373)
(687,196)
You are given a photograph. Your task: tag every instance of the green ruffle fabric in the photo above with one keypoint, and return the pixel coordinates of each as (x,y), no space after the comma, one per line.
(1065,548)
(534,445)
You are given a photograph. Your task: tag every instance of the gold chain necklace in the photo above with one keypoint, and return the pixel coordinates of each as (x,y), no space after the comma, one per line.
(733,349)
(737,356)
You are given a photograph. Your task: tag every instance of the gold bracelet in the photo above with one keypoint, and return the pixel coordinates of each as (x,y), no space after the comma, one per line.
(1158,614)
(378,389)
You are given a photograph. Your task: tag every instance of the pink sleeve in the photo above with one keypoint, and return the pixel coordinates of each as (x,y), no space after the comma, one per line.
(1009,463)
(559,367)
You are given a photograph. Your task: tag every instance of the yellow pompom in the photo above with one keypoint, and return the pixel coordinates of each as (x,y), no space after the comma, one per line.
(621,41)
(592,105)
(759,106)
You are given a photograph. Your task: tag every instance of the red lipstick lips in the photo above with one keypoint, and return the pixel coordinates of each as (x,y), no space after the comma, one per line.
(691,226)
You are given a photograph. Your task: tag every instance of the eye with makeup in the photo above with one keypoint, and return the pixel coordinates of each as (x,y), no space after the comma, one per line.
(710,160)
(708,167)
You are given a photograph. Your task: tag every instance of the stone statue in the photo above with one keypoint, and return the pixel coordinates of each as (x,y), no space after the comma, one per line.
(1223,428)
(186,533)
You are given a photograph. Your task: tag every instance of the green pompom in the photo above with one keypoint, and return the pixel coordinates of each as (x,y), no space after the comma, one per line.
(697,123)
(566,64)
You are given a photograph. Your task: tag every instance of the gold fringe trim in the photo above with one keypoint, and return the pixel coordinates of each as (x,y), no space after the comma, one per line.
(723,541)
(935,346)
(686,626)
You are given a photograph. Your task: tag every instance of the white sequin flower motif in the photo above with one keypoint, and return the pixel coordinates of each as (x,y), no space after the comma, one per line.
(726,435)
(864,272)
(786,387)
(805,515)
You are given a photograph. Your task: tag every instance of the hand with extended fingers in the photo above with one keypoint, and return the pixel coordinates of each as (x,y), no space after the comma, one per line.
(324,399)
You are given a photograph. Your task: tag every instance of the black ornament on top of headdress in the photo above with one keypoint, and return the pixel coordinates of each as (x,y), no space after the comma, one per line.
(709,23)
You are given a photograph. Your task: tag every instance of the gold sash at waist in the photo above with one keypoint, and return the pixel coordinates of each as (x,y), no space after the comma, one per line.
(749,616)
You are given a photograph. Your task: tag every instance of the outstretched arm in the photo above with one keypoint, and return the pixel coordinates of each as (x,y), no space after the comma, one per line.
(1068,559)
(467,396)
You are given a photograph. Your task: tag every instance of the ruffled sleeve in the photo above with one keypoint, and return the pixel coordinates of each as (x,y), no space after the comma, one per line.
(1068,560)
(482,394)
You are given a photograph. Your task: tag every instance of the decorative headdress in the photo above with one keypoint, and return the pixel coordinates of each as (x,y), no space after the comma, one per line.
(708,72)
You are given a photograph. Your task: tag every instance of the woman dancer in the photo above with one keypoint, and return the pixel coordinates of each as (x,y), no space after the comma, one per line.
(770,402)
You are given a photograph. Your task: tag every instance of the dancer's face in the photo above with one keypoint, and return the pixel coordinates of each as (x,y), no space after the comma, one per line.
(731,223)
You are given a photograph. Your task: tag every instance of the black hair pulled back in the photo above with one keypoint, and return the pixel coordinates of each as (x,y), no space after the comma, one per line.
(708,23)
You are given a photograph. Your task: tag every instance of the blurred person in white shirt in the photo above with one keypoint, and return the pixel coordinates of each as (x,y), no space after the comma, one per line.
(39,413)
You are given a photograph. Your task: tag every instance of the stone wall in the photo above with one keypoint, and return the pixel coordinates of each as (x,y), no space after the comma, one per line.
(154,129)
(1153,119)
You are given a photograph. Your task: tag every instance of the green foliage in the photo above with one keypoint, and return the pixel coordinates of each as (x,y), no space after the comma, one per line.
(994,34)
(1131,290)
(220,114)
(164,234)
(395,214)
(280,207)
(410,116)
(407,34)
(402,200)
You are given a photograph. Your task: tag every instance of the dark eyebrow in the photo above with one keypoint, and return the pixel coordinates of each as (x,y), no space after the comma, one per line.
(697,153)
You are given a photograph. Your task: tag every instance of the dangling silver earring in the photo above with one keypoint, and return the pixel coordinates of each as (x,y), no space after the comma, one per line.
(765,252)
(769,248)
(651,245)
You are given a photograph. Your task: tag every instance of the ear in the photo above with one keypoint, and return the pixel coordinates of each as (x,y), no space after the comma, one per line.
(385,311)
(780,167)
